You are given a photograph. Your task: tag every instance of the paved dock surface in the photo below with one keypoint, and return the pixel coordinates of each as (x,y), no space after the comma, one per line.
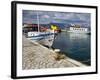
(36,56)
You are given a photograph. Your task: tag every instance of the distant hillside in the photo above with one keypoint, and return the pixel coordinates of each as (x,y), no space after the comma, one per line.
(63,25)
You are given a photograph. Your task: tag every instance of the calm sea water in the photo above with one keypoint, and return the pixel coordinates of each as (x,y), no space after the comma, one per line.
(76,46)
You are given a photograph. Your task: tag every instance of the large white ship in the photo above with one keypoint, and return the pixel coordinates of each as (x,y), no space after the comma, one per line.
(78,29)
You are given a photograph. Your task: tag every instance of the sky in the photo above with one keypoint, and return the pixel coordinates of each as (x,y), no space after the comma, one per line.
(47,17)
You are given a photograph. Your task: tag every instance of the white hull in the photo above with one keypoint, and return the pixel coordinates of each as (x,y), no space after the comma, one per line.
(47,41)
(44,38)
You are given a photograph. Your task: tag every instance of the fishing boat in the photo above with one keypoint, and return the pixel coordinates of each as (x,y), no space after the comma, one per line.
(38,33)
(78,29)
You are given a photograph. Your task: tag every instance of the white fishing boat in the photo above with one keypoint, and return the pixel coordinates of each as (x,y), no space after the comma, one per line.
(34,33)
(44,38)
(78,29)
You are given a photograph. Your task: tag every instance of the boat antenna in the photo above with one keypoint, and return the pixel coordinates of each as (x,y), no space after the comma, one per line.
(38,20)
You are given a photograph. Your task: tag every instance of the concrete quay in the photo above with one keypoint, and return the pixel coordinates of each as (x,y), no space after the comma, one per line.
(36,56)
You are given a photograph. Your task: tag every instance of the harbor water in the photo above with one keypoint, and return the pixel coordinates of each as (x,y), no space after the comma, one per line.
(75,46)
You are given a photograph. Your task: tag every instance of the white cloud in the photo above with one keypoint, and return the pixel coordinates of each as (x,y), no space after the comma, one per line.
(45,16)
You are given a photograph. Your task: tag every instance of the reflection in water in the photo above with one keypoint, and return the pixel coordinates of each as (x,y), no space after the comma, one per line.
(76,46)
(77,36)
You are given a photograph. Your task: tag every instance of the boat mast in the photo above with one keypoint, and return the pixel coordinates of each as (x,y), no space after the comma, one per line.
(38,20)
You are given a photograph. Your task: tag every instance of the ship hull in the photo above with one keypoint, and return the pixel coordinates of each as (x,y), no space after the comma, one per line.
(44,38)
